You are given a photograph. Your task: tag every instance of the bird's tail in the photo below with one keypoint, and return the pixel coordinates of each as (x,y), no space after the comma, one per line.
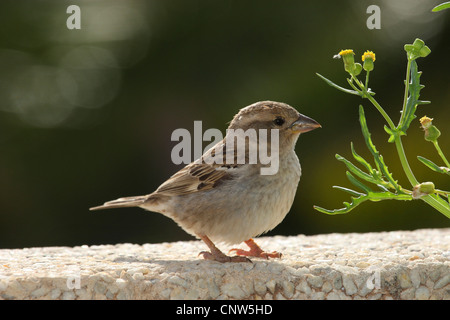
(135,201)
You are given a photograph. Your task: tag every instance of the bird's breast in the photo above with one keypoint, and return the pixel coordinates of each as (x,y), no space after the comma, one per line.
(243,207)
(261,203)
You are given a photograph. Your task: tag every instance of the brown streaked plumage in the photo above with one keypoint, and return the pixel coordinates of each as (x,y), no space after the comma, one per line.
(226,201)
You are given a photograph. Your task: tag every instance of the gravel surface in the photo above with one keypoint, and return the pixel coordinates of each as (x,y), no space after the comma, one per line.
(386,265)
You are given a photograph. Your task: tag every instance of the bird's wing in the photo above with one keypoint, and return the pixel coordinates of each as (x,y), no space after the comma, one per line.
(201,175)
(193,178)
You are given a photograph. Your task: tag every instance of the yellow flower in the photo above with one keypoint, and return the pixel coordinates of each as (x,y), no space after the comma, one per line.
(346,52)
(368,54)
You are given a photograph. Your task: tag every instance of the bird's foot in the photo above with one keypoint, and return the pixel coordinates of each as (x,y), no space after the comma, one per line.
(255,251)
(216,255)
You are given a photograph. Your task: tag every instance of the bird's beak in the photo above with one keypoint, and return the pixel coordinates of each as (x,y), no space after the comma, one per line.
(304,124)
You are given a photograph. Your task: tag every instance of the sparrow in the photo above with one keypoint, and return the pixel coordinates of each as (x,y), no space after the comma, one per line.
(219,199)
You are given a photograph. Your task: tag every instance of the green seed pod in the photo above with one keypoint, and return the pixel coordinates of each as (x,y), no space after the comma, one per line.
(418,44)
(417,49)
(424,51)
(427,187)
(423,189)
(432,133)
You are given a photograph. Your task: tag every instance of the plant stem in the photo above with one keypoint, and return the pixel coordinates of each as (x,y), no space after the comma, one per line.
(405,99)
(436,145)
(433,200)
(398,142)
(353,86)
(374,102)
(367,81)
(442,192)
(402,156)
(381,110)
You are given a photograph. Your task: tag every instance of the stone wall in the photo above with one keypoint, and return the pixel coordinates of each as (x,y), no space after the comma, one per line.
(386,265)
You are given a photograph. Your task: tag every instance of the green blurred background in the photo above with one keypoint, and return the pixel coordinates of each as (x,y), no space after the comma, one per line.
(86,115)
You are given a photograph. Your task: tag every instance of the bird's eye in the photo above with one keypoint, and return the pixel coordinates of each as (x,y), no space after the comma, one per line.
(279,121)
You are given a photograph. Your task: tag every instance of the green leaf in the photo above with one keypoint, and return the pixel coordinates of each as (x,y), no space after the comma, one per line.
(412,101)
(376,174)
(430,164)
(438,203)
(382,187)
(442,6)
(378,158)
(373,176)
(357,200)
(352,192)
(331,83)
(358,183)
(393,133)
(366,164)
(357,171)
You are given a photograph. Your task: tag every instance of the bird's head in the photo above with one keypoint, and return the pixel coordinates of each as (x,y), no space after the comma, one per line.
(274,115)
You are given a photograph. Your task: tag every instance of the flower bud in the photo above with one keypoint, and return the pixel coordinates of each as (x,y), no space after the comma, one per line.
(431,132)
(417,49)
(349,62)
(423,189)
(368,58)
(349,59)
(424,51)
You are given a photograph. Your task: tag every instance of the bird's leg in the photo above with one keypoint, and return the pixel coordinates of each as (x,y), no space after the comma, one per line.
(255,251)
(218,255)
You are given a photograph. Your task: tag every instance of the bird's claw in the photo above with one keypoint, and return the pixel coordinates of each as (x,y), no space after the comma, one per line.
(255,251)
